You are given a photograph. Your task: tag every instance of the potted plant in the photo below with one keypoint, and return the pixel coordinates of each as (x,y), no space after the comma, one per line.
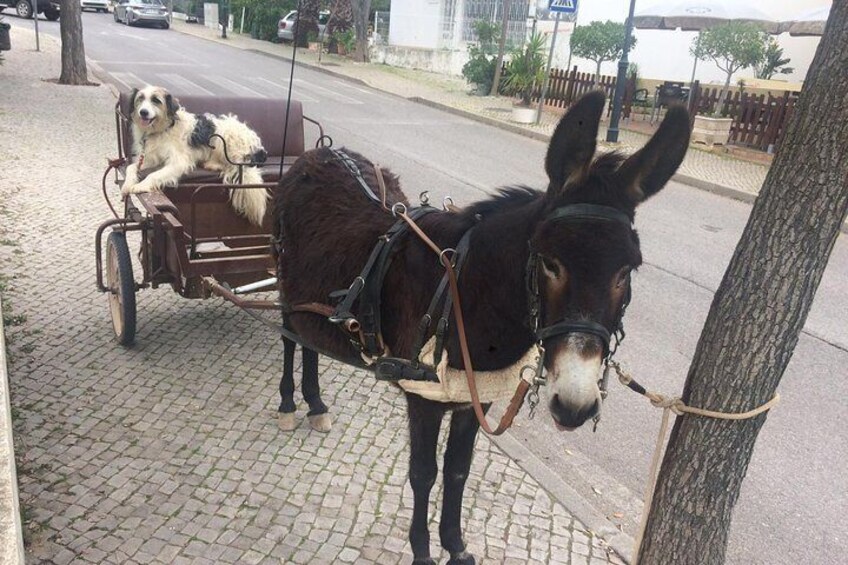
(732,46)
(524,72)
(345,41)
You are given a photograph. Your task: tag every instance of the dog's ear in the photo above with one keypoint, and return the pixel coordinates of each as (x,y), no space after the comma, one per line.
(133,96)
(172,104)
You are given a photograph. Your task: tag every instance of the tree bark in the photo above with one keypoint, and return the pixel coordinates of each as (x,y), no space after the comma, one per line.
(306,25)
(756,317)
(73,49)
(501,48)
(361,13)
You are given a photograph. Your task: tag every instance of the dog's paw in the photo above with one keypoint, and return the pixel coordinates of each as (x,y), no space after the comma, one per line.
(138,188)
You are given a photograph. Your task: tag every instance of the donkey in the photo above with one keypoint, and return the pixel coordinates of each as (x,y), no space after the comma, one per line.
(580,233)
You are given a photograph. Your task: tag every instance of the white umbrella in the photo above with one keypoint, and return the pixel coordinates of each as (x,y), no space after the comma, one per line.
(697,15)
(811,22)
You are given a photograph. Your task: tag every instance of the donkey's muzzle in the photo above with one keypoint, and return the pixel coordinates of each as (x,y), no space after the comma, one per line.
(569,418)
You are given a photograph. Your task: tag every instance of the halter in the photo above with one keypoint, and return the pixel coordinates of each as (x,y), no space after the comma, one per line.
(574,212)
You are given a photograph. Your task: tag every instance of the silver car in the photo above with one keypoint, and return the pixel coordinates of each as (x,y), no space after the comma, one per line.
(285,27)
(136,12)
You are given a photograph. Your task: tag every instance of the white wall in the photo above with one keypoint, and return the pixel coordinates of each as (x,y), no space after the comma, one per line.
(665,54)
(415,23)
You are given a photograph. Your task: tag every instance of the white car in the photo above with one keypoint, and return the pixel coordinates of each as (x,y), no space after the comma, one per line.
(285,27)
(95,5)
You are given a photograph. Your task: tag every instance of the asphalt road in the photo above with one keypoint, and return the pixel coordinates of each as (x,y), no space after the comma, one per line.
(793,505)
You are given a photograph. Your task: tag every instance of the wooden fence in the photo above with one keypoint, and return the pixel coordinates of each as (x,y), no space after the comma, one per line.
(565,87)
(758,121)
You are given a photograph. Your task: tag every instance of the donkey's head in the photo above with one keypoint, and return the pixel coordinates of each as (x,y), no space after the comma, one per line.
(585,248)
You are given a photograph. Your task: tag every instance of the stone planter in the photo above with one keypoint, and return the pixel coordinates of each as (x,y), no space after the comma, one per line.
(711,131)
(523,114)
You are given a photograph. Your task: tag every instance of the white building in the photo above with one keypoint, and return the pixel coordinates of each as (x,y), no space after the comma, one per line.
(433,34)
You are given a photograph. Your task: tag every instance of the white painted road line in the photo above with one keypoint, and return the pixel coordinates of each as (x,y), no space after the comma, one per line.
(129,80)
(183,85)
(237,88)
(281,90)
(327,92)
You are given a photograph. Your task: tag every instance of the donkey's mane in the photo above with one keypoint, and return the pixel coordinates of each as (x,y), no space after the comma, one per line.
(507,198)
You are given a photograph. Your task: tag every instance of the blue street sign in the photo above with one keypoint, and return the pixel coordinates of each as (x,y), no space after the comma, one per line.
(562,6)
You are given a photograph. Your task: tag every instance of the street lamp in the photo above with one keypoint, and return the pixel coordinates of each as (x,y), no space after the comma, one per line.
(612,130)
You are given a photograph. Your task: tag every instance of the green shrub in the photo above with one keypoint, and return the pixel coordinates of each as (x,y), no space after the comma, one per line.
(526,70)
(261,16)
(480,68)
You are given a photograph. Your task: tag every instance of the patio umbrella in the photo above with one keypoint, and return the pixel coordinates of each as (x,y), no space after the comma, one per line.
(810,23)
(697,15)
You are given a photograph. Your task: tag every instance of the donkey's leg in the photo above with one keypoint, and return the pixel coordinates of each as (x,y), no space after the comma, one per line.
(458,454)
(318,417)
(425,418)
(285,417)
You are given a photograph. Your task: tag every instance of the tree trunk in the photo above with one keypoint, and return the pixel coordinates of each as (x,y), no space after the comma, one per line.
(361,13)
(306,25)
(73,49)
(756,317)
(598,74)
(721,102)
(501,47)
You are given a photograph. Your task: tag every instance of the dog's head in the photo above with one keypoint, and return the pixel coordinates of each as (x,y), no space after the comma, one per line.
(153,108)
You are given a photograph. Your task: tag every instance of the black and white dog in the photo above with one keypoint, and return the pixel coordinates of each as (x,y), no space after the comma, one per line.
(174,142)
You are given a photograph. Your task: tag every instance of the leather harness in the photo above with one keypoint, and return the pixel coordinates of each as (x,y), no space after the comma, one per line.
(364,328)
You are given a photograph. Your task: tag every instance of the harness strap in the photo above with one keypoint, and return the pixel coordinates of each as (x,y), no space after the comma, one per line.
(590,212)
(444,321)
(424,325)
(523,385)
(576,326)
(350,164)
(367,289)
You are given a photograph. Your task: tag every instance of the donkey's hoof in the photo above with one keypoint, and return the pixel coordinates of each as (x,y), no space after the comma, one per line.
(424,561)
(321,422)
(287,421)
(461,558)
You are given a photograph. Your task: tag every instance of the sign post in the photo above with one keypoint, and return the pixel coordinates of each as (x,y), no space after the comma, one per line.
(558,7)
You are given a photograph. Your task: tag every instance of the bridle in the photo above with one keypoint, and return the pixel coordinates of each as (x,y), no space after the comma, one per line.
(609,339)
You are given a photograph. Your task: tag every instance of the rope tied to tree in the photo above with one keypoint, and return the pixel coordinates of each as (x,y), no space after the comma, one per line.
(673,405)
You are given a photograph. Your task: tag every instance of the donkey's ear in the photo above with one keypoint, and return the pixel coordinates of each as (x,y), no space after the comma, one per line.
(573,143)
(645,172)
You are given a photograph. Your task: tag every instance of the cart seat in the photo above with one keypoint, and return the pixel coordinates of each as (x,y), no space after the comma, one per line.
(267,116)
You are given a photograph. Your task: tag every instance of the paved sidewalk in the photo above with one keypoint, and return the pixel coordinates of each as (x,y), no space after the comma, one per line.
(703,169)
(169,452)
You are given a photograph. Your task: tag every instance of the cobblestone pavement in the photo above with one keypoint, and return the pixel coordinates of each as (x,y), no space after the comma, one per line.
(169,452)
(453,92)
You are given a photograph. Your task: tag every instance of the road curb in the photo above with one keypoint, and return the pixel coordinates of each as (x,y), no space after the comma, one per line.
(11,530)
(579,507)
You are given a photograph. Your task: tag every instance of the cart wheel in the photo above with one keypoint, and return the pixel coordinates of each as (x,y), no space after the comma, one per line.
(119,279)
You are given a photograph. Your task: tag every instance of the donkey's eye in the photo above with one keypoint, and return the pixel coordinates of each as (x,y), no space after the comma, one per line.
(551,267)
(623,277)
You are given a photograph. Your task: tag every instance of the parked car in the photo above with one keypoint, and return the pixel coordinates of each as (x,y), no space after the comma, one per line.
(50,8)
(96,5)
(136,12)
(285,27)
